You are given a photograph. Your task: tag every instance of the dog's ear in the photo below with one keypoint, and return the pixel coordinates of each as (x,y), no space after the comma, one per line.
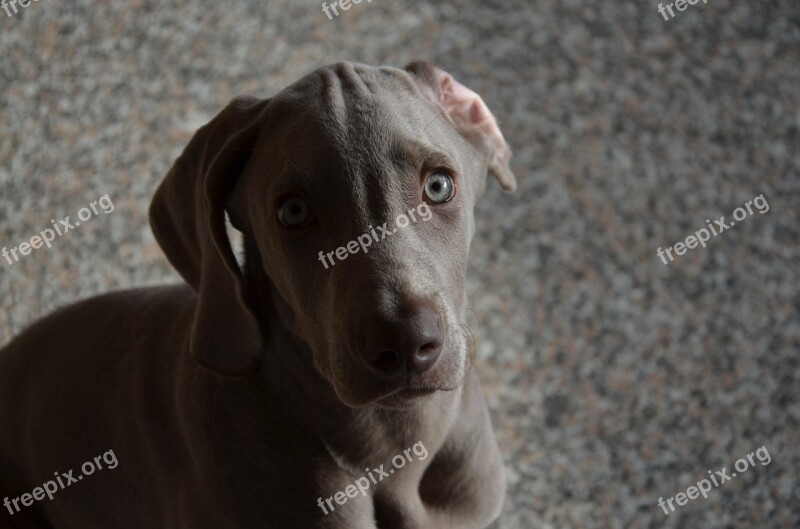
(468,113)
(187,216)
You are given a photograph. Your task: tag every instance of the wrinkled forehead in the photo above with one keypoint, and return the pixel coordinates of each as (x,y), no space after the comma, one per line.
(349,119)
(347,98)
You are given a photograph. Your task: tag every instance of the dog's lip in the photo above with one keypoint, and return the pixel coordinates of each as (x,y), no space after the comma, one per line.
(404,397)
(399,392)
(415,392)
(409,392)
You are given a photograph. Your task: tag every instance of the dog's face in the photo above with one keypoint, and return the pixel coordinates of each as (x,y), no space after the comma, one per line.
(358,191)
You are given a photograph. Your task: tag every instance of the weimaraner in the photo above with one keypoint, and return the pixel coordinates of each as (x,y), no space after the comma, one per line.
(281,392)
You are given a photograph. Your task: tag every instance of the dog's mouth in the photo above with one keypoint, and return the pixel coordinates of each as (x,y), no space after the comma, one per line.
(401,394)
(412,391)
(405,397)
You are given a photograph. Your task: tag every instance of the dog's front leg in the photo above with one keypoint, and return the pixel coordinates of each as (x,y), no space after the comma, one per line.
(464,486)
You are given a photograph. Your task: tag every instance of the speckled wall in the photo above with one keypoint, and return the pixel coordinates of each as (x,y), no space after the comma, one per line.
(614,376)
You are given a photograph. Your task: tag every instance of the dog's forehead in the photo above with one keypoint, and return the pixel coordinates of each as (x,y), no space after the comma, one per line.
(349,117)
(344,91)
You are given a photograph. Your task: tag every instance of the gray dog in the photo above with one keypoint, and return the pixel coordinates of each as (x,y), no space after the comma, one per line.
(325,382)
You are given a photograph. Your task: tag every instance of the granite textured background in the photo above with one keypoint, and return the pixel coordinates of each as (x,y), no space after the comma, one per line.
(613,379)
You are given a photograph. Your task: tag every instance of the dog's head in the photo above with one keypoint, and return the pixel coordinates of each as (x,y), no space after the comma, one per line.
(354,189)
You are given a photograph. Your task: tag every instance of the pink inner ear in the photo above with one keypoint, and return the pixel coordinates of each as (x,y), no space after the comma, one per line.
(464,105)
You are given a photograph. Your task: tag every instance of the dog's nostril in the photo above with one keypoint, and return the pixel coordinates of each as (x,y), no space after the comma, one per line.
(427,350)
(430,346)
(425,356)
(388,362)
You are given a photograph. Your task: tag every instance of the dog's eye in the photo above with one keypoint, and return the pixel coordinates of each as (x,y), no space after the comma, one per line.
(293,212)
(439,188)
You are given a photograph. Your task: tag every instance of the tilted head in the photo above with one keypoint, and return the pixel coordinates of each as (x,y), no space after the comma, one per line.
(354,189)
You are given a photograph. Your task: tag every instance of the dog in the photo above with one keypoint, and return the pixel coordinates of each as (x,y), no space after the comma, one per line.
(268,388)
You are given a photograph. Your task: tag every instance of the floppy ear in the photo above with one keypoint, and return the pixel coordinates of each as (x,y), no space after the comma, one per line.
(187,216)
(469,114)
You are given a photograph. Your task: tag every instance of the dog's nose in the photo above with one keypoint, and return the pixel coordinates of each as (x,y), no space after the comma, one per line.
(407,345)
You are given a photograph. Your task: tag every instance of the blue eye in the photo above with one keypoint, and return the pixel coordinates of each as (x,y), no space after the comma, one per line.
(439,188)
(293,212)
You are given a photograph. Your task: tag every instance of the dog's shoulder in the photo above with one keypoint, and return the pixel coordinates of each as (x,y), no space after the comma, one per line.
(105,322)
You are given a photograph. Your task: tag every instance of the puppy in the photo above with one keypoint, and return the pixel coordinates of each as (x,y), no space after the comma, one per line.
(325,381)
